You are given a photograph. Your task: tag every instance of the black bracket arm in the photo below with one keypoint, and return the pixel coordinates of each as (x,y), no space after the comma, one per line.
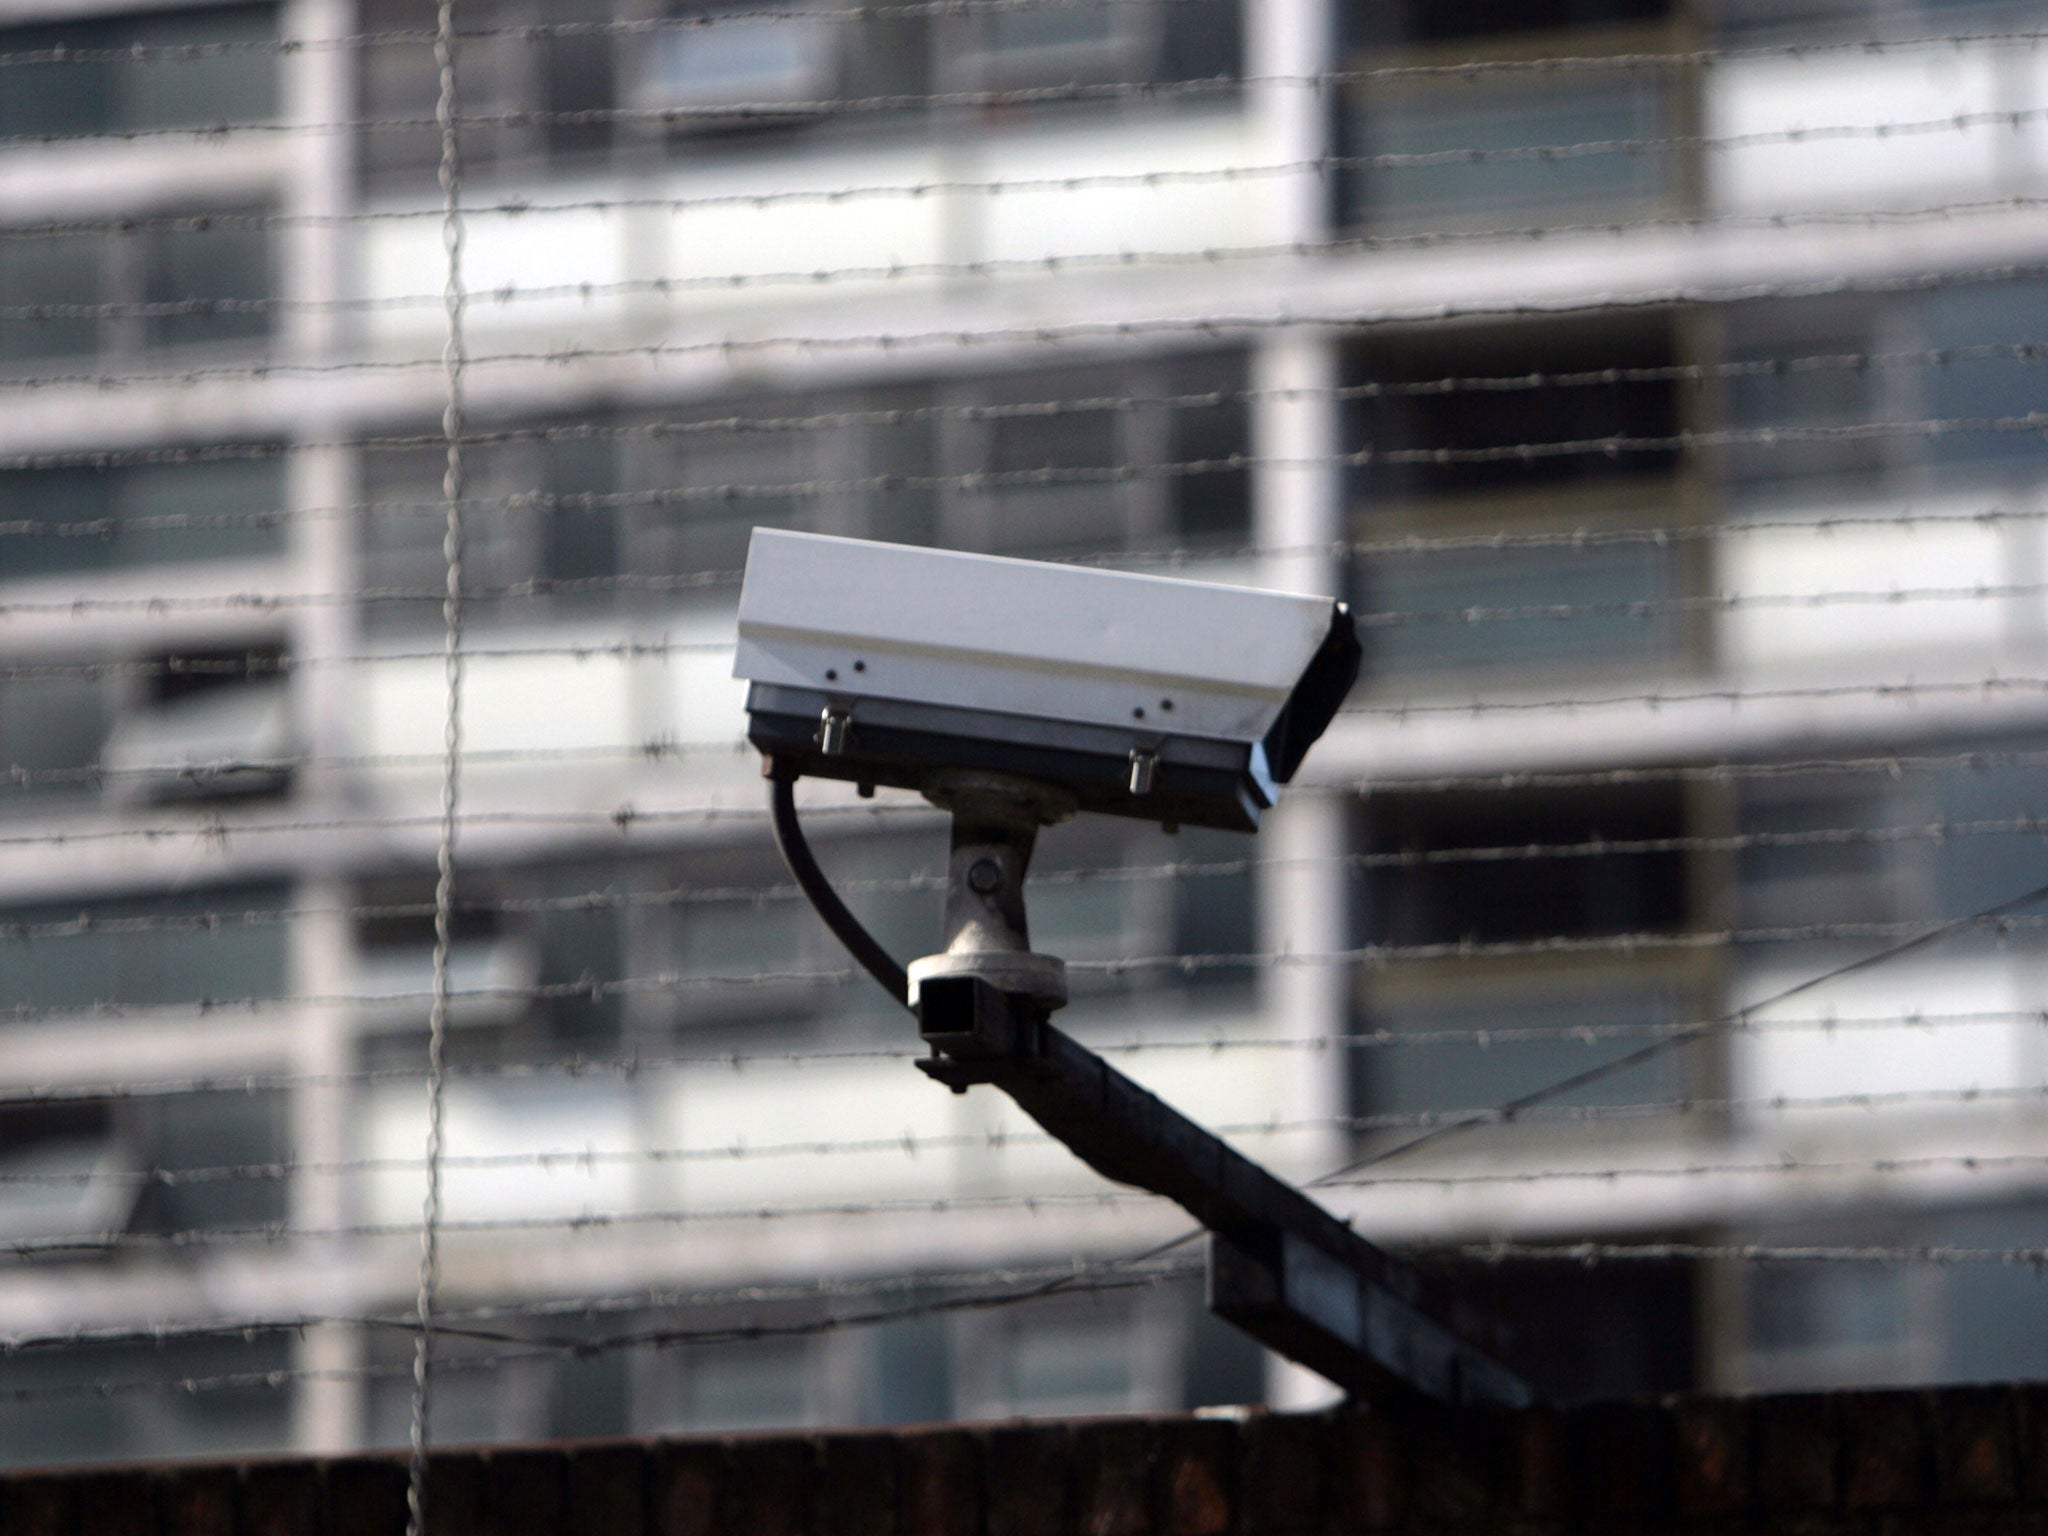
(1280,1266)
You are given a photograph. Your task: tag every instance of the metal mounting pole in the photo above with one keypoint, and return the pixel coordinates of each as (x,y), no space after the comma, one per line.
(1280,1266)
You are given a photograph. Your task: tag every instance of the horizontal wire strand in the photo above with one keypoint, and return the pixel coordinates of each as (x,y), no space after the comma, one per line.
(72,1245)
(1360,240)
(672,897)
(912,1145)
(1053,334)
(213,825)
(1147,91)
(648,1063)
(204,772)
(1795,364)
(543,32)
(1370,957)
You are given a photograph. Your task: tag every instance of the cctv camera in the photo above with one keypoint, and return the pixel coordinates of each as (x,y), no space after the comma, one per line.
(1147,696)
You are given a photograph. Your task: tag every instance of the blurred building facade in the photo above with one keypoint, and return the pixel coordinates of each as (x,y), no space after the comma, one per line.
(1681,479)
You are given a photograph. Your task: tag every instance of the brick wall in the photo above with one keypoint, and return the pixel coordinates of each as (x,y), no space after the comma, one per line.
(1969,1461)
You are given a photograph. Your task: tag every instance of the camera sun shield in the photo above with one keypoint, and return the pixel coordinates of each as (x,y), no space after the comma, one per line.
(1175,701)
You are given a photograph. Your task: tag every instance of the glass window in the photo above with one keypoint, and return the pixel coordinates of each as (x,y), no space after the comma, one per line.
(910,1381)
(1454,1047)
(1516,126)
(204,725)
(736,59)
(1055,45)
(720,486)
(1467,610)
(176,281)
(1793,369)
(1981,389)
(1474,876)
(48,285)
(1971,873)
(1085,460)
(1516,433)
(1512,409)
(1590,1333)
(58,521)
(62,1172)
(1433,21)
(1994,1316)
(1810,865)
(541,510)
(229,77)
(1059,1360)
(215,944)
(760,1384)
(1107,896)
(535,92)
(210,1131)
(211,279)
(81,1403)
(51,731)
(730,913)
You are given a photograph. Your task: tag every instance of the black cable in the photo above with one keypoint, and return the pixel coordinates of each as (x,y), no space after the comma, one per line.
(796,853)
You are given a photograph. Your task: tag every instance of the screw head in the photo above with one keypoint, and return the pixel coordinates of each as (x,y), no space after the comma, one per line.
(984,877)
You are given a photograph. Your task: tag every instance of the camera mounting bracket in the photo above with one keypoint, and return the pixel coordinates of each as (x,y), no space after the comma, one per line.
(1281,1267)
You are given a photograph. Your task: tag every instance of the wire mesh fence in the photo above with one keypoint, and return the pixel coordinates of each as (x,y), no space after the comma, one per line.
(390,404)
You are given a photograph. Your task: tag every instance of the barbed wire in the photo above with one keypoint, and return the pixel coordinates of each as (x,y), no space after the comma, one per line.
(1082,1281)
(77,1244)
(1053,264)
(94,925)
(912,1145)
(1369,957)
(1084,1278)
(201,773)
(529,1350)
(645,1063)
(1892,1254)
(590,1306)
(257,663)
(1147,91)
(770,1311)
(1352,242)
(1989,687)
(1836,360)
(1211,326)
(897,10)
(642,1064)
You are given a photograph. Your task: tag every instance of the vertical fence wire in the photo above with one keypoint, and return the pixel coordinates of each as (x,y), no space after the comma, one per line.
(453,359)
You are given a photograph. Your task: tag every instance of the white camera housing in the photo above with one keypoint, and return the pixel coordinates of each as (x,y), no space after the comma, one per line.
(1149,696)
